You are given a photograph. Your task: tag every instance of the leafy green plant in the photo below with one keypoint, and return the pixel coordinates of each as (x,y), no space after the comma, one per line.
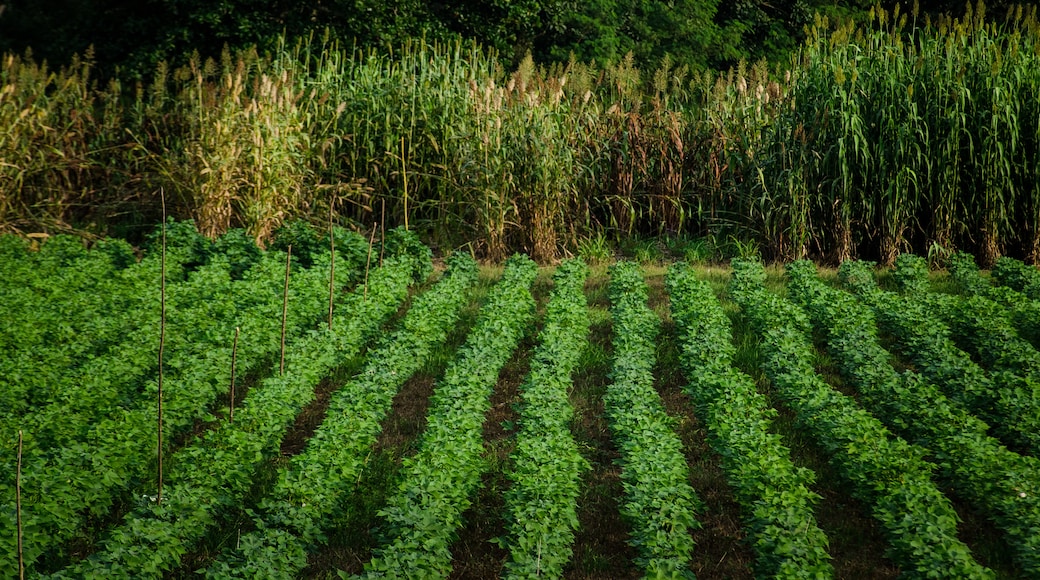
(644,251)
(911,274)
(699,251)
(998,481)
(546,479)
(1015,274)
(1022,311)
(774,494)
(884,471)
(427,509)
(595,249)
(659,503)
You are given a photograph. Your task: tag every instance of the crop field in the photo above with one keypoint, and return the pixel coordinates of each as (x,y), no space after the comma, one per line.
(347,406)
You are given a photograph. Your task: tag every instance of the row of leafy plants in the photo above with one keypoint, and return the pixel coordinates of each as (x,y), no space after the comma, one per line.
(1006,402)
(1002,484)
(1017,275)
(309,492)
(987,329)
(61,489)
(215,473)
(659,504)
(775,495)
(541,504)
(425,513)
(980,325)
(1021,310)
(884,471)
(65,306)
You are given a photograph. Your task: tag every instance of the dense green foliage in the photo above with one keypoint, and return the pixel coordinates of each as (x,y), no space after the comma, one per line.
(440,479)
(1022,311)
(313,474)
(1017,276)
(774,494)
(659,504)
(134,37)
(884,470)
(542,502)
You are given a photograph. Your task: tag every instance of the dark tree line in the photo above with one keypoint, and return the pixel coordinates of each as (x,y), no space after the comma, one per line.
(132,36)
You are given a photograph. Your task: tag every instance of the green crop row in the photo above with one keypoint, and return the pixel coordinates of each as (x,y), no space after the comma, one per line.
(65,307)
(200,316)
(1018,276)
(293,518)
(985,329)
(439,480)
(774,494)
(541,504)
(216,472)
(1004,401)
(63,488)
(659,503)
(884,471)
(1023,312)
(1003,484)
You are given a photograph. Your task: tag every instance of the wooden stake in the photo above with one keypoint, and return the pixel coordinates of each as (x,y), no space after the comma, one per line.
(162,345)
(234,352)
(332,267)
(404,177)
(382,233)
(285,306)
(18,507)
(368,263)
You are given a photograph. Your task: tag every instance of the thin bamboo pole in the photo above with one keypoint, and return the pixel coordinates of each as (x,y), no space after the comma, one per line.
(368,262)
(332,265)
(285,307)
(231,396)
(404,178)
(18,508)
(162,345)
(382,232)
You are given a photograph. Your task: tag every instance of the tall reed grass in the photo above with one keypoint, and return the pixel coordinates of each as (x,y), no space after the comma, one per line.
(890,136)
(922,134)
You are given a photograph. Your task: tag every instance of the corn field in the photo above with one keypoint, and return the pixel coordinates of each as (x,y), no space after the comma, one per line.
(889,136)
